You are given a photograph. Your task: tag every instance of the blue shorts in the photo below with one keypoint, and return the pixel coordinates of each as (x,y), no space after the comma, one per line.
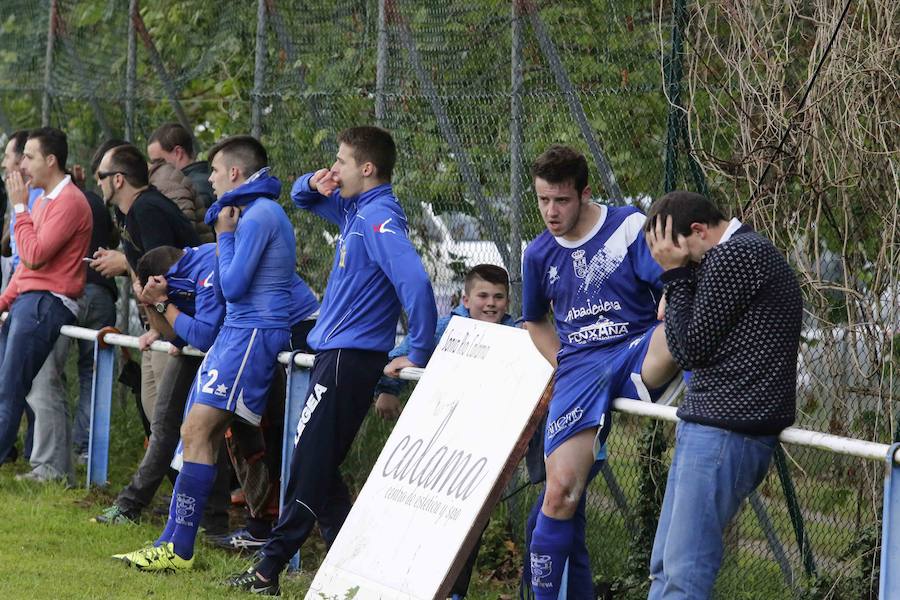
(585,385)
(236,373)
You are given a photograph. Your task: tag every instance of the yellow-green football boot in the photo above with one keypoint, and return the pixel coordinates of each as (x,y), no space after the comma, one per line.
(158,558)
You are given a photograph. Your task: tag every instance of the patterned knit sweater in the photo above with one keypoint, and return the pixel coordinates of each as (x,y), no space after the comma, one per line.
(734,321)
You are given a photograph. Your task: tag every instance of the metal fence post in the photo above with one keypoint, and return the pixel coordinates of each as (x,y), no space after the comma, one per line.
(793,505)
(319,118)
(381,65)
(889,584)
(5,125)
(81,74)
(259,71)
(676,128)
(160,68)
(516,150)
(48,65)
(551,54)
(618,495)
(101,405)
(762,515)
(131,72)
(295,400)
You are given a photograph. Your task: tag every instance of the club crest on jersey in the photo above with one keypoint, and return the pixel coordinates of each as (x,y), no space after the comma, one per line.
(579,262)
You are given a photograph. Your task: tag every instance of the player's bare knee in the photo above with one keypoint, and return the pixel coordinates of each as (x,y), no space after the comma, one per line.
(561,499)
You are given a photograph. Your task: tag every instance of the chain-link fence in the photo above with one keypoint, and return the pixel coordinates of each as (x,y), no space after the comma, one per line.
(706,96)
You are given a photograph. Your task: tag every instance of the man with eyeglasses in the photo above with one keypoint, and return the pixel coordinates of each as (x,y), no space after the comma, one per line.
(148,218)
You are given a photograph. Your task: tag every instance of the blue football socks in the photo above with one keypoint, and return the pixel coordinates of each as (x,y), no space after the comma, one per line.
(192,488)
(166,535)
(550,547)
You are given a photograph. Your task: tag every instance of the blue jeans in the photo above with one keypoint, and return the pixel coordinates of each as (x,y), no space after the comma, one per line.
(713,471)
(98,310)
(26,339)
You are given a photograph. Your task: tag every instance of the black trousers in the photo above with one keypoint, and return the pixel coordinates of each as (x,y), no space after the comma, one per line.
(341,387)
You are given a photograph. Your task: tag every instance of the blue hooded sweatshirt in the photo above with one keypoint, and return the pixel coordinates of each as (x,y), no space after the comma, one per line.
(255,273)
(376,270)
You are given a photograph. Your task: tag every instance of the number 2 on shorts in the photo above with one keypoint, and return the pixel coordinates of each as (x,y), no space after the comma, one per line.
(213,375)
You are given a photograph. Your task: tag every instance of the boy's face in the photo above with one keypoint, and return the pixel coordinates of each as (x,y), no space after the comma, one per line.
(486,301)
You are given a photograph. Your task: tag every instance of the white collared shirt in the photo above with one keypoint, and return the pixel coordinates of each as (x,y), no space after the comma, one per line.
(59,187)
(733,226)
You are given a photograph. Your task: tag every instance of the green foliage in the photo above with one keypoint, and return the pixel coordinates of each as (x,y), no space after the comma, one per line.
(858,579)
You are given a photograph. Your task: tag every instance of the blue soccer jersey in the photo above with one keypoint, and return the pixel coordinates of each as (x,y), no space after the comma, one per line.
(603,289)
(191,289)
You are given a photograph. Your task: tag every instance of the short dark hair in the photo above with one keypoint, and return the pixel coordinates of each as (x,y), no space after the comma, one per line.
(102,149)
(374,145)
(490,273)
(52,141)
(169,135)
(19,137)
(131,163)
(245,150)
(559,164)
(157,261)
(685,208)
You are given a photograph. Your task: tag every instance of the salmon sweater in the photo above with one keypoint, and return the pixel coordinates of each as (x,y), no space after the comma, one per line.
(52,241)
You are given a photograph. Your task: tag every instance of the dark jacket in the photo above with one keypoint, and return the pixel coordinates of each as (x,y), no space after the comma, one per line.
(198,173)
(734,321)
(178,187)
(103,235)
(153,221)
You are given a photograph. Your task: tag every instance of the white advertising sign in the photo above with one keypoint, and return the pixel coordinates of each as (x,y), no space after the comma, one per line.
(463,430)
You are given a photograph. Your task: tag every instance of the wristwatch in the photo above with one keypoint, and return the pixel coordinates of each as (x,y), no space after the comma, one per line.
(162,306)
